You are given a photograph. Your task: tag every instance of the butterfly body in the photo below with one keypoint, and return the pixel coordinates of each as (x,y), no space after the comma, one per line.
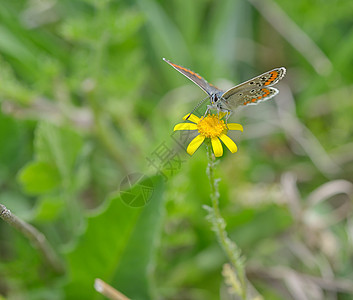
(250,92)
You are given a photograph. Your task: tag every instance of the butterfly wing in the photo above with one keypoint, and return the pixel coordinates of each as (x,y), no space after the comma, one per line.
(254,90)
(250,97)
(196,78)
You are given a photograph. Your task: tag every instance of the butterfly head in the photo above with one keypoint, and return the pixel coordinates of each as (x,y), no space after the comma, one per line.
(216,99)
(218,103)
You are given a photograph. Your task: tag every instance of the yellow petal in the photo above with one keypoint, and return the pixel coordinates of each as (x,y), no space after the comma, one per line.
(217,147)
(234,126)
(185,126)
(195,144)
(229,143)
(192,118)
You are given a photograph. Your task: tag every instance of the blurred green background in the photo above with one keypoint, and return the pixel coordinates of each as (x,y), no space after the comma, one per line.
(87,100)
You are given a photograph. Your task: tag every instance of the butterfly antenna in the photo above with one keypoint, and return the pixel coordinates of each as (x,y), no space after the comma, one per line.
(197,106)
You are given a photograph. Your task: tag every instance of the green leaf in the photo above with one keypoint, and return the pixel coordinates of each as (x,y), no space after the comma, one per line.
(39,177)
(170,40)
(57,145)
(48,209)
(15,149)
(11,45)
(117,247)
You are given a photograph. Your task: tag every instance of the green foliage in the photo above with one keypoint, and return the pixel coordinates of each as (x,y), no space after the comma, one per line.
(121,242)
(57,146)
(85,100)
(39,178)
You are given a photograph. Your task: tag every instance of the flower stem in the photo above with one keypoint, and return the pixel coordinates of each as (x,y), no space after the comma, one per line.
(219,227)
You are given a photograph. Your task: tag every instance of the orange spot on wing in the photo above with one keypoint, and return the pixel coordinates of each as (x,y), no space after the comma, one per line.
(253,100)
(274,75)
(266,92)
(186,70)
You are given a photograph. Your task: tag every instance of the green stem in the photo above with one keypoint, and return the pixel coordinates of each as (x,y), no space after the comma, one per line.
(219,226)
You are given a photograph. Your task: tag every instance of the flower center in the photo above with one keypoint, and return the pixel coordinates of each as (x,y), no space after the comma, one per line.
(211,126)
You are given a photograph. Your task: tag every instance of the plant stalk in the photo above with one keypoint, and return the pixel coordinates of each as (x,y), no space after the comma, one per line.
(219,226)
(37,239)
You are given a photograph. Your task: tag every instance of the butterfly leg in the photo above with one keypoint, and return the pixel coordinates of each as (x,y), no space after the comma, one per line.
(219,111)
(226,112)
(209,107)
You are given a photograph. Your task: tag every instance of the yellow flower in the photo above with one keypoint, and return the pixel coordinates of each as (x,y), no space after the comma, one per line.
(211,127)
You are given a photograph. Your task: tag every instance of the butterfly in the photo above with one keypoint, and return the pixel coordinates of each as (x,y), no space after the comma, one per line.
(250,92)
